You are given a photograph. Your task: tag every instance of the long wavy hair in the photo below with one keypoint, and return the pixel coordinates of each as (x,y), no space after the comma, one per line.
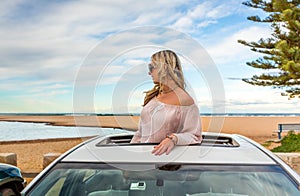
(168,67)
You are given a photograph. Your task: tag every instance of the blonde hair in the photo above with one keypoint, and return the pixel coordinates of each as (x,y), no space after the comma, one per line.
(168,66)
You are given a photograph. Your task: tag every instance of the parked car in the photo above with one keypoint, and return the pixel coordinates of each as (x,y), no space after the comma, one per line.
(11,180)
(222,165)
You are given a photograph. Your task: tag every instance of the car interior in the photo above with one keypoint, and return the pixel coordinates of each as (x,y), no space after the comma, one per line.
(167,180)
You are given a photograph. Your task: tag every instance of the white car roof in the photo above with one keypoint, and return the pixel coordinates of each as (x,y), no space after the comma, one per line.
(213,150)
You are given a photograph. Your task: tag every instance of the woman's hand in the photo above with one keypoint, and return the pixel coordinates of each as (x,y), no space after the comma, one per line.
(165,146)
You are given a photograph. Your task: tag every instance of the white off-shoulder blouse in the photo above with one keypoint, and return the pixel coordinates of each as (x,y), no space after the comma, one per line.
(160,119)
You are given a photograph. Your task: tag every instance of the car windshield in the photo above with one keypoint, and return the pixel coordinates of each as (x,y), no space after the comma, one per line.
(194,180)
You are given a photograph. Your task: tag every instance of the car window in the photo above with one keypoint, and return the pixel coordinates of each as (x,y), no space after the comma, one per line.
(193,180)
(56,188)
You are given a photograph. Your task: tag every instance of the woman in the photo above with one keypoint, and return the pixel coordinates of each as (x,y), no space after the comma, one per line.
(169,116)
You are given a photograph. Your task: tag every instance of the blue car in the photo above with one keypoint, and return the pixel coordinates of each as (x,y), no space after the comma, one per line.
(11,180)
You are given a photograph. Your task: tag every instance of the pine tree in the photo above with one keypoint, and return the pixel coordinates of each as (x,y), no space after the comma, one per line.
(281,52)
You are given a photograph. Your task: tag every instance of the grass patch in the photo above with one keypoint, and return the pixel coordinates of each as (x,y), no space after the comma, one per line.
(267,144)
(290,143)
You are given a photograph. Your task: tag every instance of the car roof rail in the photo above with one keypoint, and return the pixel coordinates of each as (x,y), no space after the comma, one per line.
(208,140)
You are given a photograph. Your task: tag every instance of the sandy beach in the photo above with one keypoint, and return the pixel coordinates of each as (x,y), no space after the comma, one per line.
(30,153)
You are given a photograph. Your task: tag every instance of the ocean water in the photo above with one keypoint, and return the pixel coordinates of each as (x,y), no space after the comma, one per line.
(11,131)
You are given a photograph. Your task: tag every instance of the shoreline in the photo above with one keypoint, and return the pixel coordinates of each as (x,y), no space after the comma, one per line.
(43,140)
(126,122)
(258,128)
(263,125)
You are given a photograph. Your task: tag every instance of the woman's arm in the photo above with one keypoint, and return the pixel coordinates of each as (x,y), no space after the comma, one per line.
(188,134)
(191,127)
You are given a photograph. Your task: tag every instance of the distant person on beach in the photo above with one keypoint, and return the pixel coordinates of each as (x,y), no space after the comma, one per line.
(169,115)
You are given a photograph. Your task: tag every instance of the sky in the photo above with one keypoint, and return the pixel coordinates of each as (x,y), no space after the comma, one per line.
(92,56)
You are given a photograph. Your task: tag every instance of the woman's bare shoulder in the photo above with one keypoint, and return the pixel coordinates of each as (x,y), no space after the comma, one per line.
(184,98)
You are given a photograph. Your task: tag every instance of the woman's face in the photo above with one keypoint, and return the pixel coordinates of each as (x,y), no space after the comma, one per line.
(153,72)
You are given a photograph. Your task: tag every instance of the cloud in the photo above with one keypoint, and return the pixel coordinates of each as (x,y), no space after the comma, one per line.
(55,45)
(42,40)
(183,23)
(204,14)
(254,101)
(44,44)
(227,48)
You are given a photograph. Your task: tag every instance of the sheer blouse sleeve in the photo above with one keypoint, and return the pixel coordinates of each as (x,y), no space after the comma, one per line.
(191,127)
(137,135)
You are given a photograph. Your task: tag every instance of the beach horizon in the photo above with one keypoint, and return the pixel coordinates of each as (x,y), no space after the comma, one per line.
(244,125)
